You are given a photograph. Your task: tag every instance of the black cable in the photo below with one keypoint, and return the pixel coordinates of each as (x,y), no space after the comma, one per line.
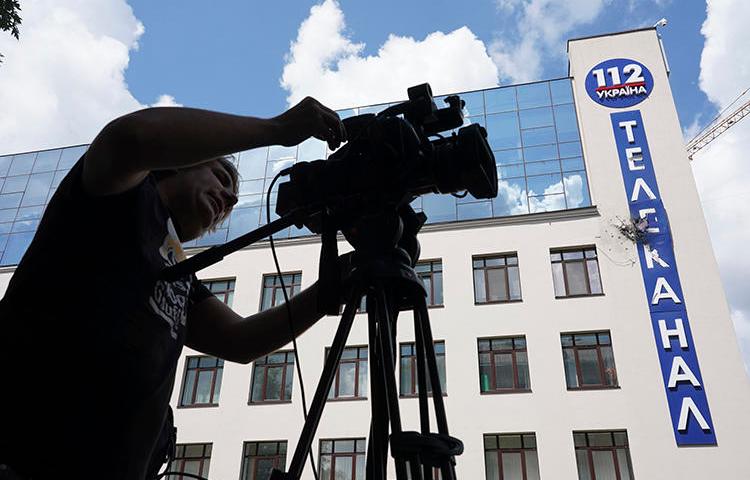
(289,312)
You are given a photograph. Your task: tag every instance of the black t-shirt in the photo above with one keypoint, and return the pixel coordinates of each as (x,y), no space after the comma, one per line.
(90,337)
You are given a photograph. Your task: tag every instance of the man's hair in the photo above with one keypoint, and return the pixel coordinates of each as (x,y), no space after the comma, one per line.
(226,161)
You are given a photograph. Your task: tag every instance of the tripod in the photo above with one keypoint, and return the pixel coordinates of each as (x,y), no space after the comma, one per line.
(386,247)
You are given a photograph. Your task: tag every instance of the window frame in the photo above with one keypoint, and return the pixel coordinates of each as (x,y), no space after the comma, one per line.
(500,450)
(413,362)
(214,396)
(584,261)
(357,360)
(495,256)
(599,357)
(279,458)
(207,447)
(613,449)
(289,360)
(431,273)
(274,288)
(227,294)
(493,378)
(333,454)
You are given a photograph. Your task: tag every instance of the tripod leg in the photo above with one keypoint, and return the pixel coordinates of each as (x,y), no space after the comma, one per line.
(437,390)
(424,413)
(378,444)
(387,338)
(448,471)
(324,386)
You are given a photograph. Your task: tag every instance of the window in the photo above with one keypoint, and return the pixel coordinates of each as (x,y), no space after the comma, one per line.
(202,383)
(223,289)
(192,458)
(342,459)
(576,272)
(260,458)
(351,376)
(511,456)
(272,292)
(503,365)
(272,378)
(431,274)
(408,372)
(589,361)
(603,455)
(496,279)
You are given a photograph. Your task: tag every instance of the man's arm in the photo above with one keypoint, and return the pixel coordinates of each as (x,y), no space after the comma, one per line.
(216,329)
(130,146)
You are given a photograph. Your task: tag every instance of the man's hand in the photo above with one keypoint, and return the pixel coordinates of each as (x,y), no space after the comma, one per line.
(310,118)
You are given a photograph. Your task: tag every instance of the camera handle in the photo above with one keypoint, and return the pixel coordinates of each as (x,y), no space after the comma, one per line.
(217,253)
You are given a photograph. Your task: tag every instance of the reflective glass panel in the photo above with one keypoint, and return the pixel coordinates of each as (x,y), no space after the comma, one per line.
(70,156)
(311,149)
(502,131)
(511,197)
(533,95)
(538,136)
(570,149)
(37,189)
(562,91)
(243,220)
(538,154)
(5,162)
(570,164)
(507,157)
(545,184)
(566,123)
(577,190)
(439,208)
(22,164)
(10,200)
(538,168)
(547,203)
(470,211)
(500,100)
(15,184)
(511,171)
(474,103)
(277,152)
(536,117)
(253,163)
(46,161)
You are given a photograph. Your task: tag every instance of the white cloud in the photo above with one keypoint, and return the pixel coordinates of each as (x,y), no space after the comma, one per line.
(166,101)
(325,63)
(540,27)
(64,79)
(721,169)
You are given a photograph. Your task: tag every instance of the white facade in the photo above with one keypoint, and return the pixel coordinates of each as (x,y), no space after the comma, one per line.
(550,410)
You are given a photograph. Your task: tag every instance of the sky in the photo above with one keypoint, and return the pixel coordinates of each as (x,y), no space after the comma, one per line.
(81,63)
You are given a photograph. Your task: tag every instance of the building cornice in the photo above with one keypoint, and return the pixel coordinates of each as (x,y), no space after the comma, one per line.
(531,218)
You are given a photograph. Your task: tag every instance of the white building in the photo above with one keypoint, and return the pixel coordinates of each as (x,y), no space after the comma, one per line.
(569,350)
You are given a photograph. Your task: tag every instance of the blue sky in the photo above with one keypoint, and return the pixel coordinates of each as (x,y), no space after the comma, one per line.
(81,63)
(230,57)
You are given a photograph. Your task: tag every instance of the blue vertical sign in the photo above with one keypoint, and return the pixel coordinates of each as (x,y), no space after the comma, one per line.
(688,407)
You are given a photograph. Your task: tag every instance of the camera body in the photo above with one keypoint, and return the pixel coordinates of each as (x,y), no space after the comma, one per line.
(389,160)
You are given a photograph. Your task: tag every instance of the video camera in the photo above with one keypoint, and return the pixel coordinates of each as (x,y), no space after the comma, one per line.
(389,160)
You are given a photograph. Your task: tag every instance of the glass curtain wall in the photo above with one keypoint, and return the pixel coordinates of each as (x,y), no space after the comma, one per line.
(532,130)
